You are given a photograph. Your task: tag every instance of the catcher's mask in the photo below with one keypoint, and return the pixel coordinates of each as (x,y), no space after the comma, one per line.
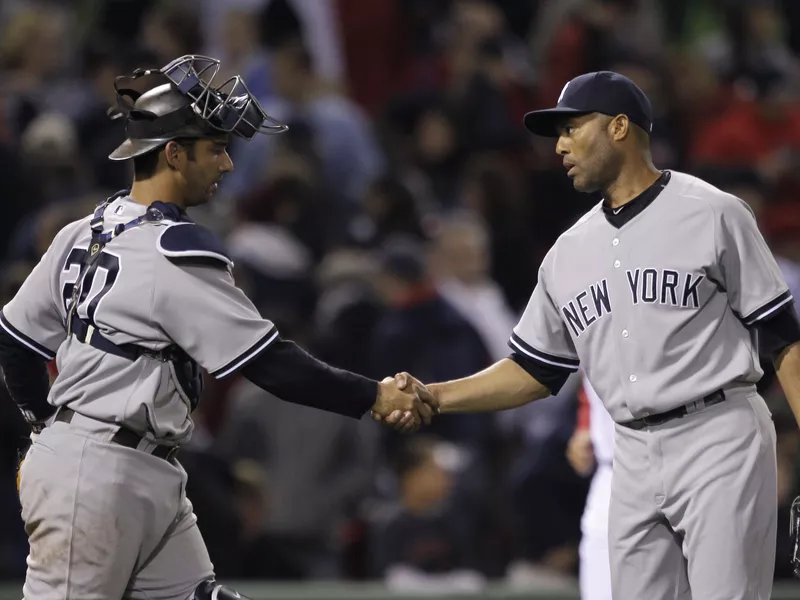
(182,100)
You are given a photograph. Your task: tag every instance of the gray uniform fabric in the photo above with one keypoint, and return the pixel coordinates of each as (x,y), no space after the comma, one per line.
(104,520)
(658,313)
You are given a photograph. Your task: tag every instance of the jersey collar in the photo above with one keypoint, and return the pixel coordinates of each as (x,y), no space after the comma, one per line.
(171,211)
(619,216)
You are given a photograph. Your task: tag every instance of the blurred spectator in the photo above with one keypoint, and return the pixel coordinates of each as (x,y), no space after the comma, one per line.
(98,135)
(571,37)
(262,555)
(439,153)
(462,260)
(547,524)
(490,82)
(492,190)
(20,195)
(33,49)
(277,241)
(376,49)
(392,210)
(347,310)
(422,334)
(339,132)
(763,132)
(319,465)
(50,151)
(242,51)
(171,28)
(420,544)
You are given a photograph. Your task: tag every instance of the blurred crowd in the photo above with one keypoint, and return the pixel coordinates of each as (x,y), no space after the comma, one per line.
(397,225)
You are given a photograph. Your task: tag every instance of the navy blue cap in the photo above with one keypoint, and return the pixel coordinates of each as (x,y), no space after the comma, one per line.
(603,92)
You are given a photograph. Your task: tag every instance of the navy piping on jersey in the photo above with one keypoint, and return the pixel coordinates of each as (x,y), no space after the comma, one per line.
(25,340)
(766,310)
(621,215)
(551,360)
(248,355)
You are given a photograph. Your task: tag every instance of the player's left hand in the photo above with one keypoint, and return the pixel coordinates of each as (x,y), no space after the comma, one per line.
(408,421)
(404,410)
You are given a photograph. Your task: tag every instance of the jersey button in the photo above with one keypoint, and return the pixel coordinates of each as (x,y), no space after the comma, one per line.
(624,333)
(615,242)
(632,378)
(616,264)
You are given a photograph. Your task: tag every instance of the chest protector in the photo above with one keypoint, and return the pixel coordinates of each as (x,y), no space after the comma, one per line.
(186,373)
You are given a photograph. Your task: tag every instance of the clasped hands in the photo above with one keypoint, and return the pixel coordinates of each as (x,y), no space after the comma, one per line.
(404,403)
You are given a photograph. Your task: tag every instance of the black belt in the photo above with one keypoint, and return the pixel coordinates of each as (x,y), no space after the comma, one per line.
(125,437)
(676,413)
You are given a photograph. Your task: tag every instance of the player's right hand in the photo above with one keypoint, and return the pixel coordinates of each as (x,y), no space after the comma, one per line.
(580,453)
(404,409)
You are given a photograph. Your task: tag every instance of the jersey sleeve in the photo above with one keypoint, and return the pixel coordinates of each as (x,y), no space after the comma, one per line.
(33,317)
(202,310)
(750,275)
(541,334)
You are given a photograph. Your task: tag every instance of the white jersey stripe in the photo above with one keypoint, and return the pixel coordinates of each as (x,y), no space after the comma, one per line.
(249,355)
(769,308)
(541,359)
(25,340)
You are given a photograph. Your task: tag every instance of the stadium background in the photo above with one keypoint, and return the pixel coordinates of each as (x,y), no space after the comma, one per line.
(398,225)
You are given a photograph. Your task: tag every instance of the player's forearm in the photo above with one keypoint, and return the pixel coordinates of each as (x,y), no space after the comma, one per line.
(502,386)
(787,367)
(290,373)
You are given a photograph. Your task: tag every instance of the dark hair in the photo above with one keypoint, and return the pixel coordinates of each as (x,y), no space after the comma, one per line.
(145,165)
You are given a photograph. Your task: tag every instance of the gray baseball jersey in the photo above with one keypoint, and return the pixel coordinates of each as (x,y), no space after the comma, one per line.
(658,310)
(141,292)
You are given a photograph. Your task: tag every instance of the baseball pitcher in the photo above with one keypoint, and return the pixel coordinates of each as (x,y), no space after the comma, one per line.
(663,292)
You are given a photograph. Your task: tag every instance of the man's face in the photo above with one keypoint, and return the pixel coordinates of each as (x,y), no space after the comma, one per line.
(202,168)
(588,152)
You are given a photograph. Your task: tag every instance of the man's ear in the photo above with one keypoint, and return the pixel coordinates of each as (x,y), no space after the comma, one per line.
(619,127)
(174,155)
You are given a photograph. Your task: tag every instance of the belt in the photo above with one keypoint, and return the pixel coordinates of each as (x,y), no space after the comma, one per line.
(676,413)
(125,437)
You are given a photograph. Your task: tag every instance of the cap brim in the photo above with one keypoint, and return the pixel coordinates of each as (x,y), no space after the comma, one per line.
(131,148)
(543,122)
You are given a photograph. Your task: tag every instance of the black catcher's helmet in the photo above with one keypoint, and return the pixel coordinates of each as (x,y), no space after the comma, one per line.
(182,100)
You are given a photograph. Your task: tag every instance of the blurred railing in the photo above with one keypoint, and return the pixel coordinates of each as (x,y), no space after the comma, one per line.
(372,591)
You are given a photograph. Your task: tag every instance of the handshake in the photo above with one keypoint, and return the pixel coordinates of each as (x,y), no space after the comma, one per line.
(404,403)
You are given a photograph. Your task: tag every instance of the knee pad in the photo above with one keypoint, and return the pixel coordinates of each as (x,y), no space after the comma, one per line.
(211,590)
